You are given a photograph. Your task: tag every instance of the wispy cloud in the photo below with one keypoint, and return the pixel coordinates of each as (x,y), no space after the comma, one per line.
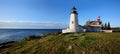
(31,25)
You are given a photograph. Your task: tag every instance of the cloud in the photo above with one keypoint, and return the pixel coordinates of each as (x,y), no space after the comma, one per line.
(31,25)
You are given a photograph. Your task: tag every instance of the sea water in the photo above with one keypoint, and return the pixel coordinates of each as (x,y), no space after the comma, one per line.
(18,34)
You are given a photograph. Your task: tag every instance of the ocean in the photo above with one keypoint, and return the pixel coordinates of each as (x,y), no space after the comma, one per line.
(18,34)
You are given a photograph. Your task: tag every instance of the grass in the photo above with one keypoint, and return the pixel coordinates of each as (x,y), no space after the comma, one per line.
(80,43)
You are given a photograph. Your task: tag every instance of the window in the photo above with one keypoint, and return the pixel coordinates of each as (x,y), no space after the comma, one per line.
(72,22)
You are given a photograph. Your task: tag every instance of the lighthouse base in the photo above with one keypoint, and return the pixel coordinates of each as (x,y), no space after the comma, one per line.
(68,31)
(73,30)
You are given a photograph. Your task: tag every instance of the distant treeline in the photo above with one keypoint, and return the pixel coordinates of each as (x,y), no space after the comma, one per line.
(116,29)
(106,26)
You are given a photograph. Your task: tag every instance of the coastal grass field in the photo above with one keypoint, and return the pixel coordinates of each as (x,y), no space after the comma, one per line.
(71,43)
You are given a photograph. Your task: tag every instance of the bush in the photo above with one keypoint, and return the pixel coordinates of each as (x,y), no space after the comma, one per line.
(31,37)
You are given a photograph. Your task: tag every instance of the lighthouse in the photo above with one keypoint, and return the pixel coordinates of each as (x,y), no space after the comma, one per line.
(73,26)
(74,20)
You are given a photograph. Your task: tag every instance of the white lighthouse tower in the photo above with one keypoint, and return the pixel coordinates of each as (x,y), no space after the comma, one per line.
(73,26)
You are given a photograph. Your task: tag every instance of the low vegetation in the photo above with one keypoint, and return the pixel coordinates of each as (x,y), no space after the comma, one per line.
(71,43)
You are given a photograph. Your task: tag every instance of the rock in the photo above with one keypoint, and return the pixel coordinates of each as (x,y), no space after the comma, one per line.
(70,47)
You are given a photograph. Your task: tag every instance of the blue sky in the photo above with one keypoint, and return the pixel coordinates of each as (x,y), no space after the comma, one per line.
(52,14)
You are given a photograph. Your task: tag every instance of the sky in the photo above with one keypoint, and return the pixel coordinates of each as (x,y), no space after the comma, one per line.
(55,14)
